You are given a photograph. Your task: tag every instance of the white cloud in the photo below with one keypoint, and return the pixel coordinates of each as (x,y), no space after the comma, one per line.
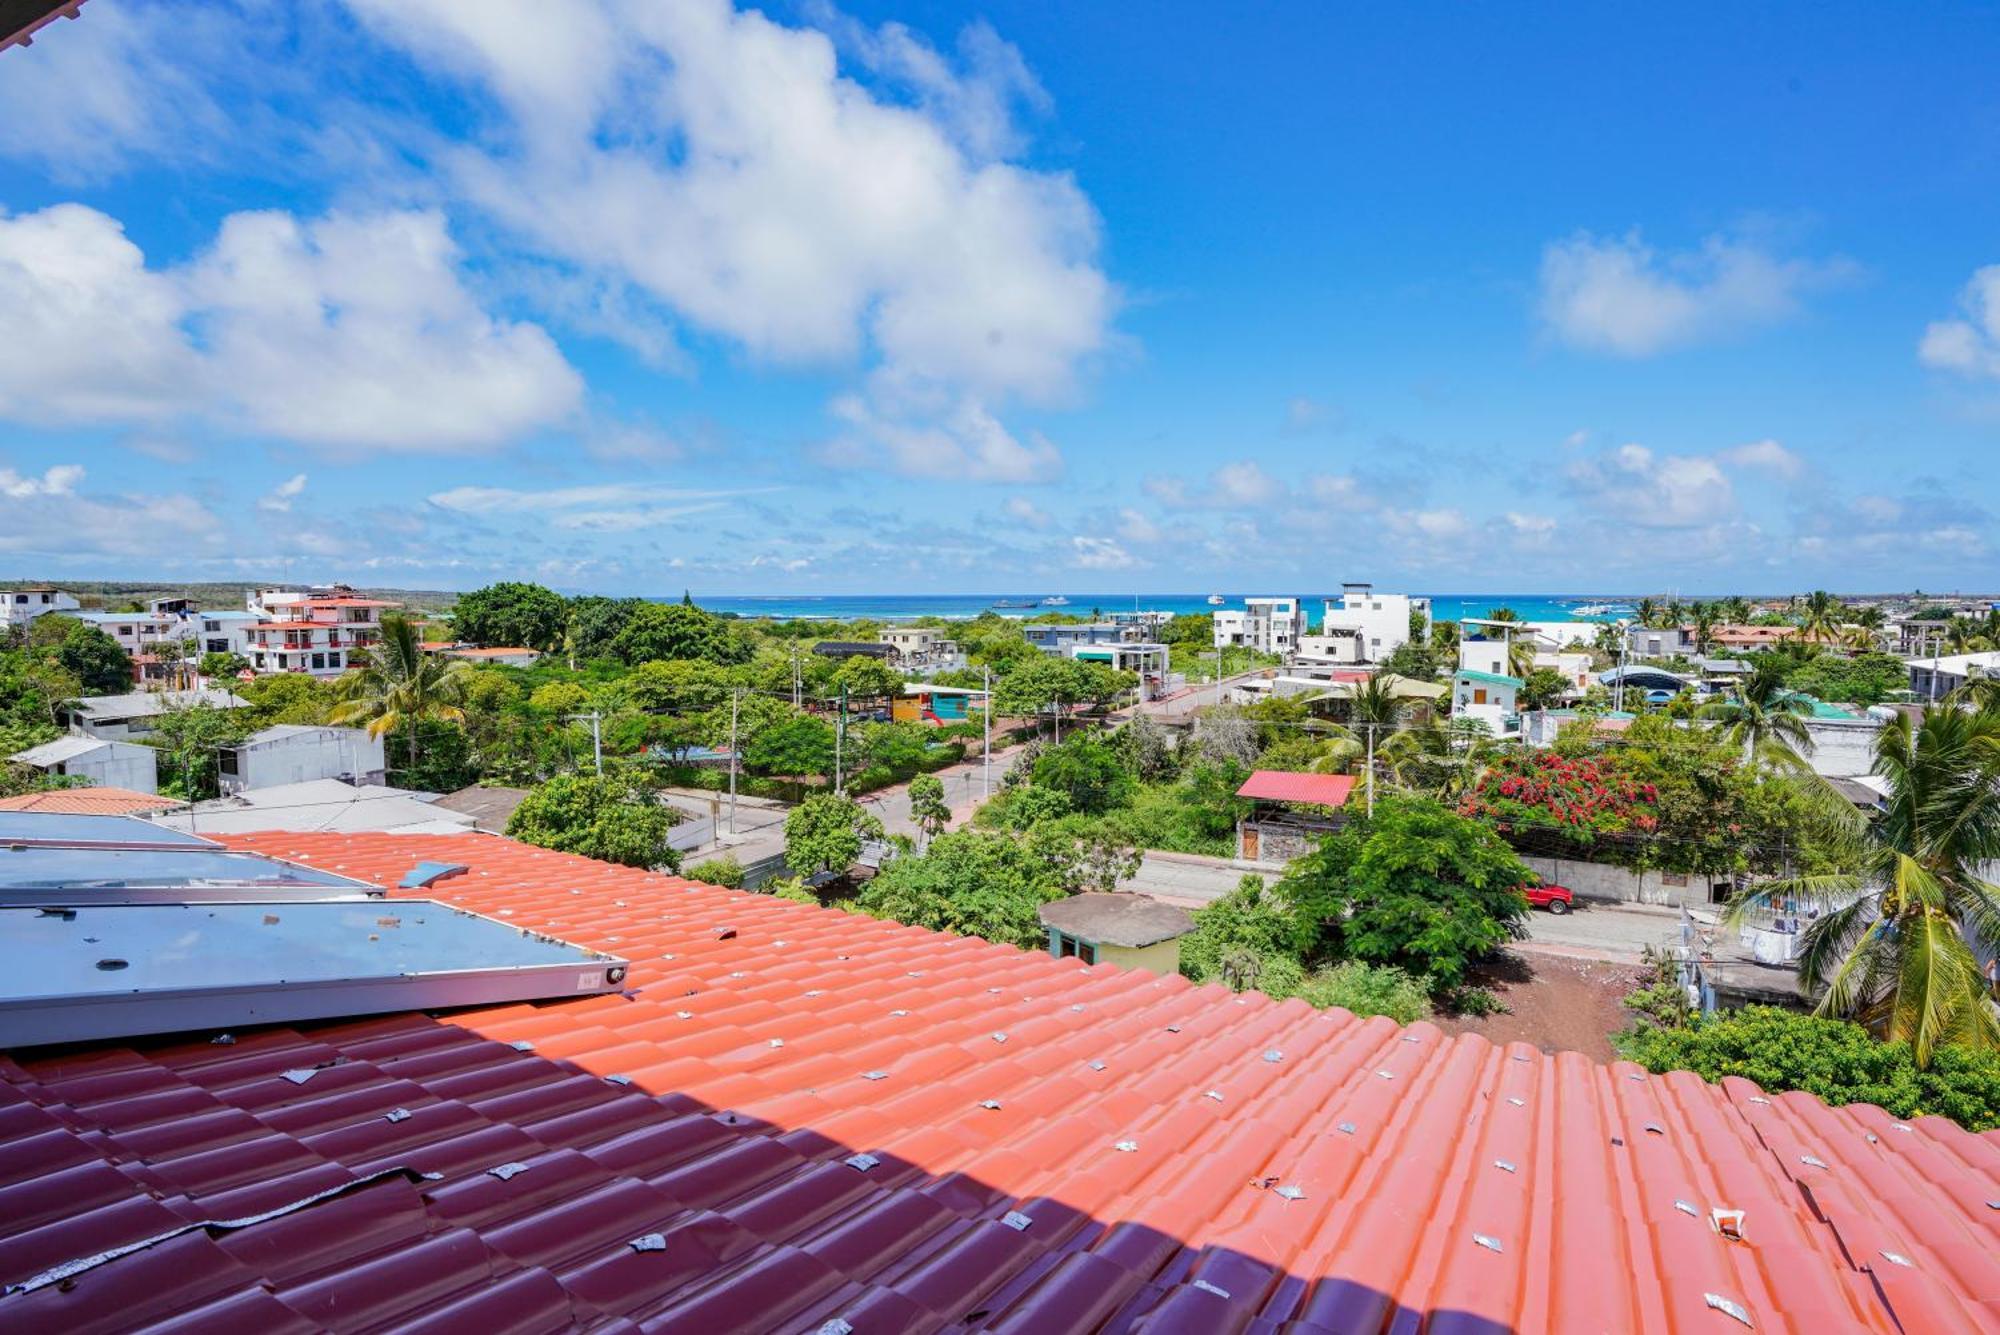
(1617,295)
(280,498)
(721,164)
(1025,511)
(1969,346)
(1530,526)
(1766,456)
(1099,554)
(1134,526)
(474,500)
(59,480)
(1633,484)
(352,331)
(966,444)
(1241,485)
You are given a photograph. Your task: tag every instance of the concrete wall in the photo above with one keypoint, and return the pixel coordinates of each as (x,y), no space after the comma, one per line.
(1843,748)
(1162,957)
(1598,880)
(117,765)
(328,753)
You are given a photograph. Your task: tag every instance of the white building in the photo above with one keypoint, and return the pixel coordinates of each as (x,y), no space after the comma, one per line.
(120,717)
(139,632)
(1268,625)
(1661,641)
(1377,623)
(223,632)
(296,753)
(1491,697)
(312,630)
(106,764)
(1149,661)
(1935,678)
(1573,668)
(1486,646)
(920,648)
(23,605)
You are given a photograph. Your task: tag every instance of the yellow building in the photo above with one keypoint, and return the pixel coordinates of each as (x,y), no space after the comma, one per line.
(1133,931)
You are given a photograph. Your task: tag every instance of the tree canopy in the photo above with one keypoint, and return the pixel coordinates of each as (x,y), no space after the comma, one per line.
(512,613)
(613,817)
(825,833)
(970,882)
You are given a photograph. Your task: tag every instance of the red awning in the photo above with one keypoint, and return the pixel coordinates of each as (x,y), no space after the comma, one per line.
(1276,785)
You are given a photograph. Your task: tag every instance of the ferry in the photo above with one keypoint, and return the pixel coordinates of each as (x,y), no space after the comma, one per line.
(1055,600)
(1025,602)
(1216,600)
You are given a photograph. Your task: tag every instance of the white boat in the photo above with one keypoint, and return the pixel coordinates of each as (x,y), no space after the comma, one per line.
(1591,610)
(1055,600)
(1216,600)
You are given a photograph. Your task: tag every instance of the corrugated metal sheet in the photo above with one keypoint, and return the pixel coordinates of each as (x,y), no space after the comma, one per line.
(802,1117)
(1326,790)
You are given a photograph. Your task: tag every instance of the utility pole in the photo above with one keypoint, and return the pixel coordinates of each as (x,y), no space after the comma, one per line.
(1371,769)
(735,694)
(1937,643)
(986,752)
(596,721)
(1618,697)
(795,674)
(839,743)
(1218,674)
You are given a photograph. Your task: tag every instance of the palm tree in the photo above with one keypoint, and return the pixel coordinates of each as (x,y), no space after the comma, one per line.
(1704,617)
(1766,720)
(1444,637)
(1648,612)
(1503,614)
(401,684)
(1520,656)
(1377,711)
(1962,636)
(1821,616)
(1902,928)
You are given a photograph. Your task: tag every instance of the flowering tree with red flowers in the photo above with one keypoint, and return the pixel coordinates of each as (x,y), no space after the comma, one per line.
(1580,797)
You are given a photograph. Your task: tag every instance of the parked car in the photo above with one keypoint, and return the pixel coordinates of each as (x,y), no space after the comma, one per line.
(1542,895)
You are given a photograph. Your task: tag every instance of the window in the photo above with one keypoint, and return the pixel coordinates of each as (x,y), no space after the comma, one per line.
(1062,945)
(319,661)
(226,762)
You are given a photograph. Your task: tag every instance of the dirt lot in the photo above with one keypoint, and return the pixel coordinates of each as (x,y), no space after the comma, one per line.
(1555,1002)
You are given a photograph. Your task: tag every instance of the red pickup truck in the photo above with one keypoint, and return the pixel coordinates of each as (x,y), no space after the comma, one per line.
(1542,895)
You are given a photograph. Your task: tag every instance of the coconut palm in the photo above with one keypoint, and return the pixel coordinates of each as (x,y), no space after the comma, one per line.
(1648,612)
(1704,616)
(1520,655)
(1766,720)
(1903,926)
(1963,635)
(1821,616)
(401,684)
(1444,637)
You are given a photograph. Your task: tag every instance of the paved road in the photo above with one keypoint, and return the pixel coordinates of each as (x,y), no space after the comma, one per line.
(1600,930)
(1188,879)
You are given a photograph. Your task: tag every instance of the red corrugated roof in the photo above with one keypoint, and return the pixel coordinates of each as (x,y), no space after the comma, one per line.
(708,1116)
(1276,785)
(88,801)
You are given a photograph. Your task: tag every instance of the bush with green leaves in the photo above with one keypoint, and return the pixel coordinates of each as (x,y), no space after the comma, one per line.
(791,888)
(724,871)
(612,817)
(1833,1059)
(825,833)
(1367,989)
(970,882)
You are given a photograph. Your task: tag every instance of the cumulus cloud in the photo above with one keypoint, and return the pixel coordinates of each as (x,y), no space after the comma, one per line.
(1100,554)
(1633,484)
(349,330)
(50,517)
(60,480)
(1024,511)
(966,444)
(722,164)
(1969,346)
(1619,296)
(1241,485)
(1766,456)
(279,499)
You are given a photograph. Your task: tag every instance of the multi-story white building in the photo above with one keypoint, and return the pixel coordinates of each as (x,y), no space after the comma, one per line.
(223,632)
(138,632)
(312,630)
(20,606)
(1268,625)
(1378,623)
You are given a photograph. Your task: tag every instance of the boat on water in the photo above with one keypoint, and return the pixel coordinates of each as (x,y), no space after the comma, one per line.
(1600,609)
(1055,600)
(1216,600)
(1015,602)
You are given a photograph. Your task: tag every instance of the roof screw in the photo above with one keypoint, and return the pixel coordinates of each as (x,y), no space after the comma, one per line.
(861,1162)
(1387,1075)
(999,1036)
(396,1115)
(618,1079)
(1273,1055)
(1215,1094)
(740,973)
(1077,1007)
(899,1013)
(874,1075)
(1173,1029)
(1017,1221)
(522,1045)
(1345,1128)
(991,1105)
(684,1015)
(1517,1101)
(1504,1166)
(1096,1065)
(1654,1128)
(1490,1244)
(834,1326)
(651,1242)
(1812,1161)
(817,992)
(777,1042)
(1126,1146)
(1411,1038)
(1895,1258)
(1759,1098)
(992,991)
(1292,1193)
(223,1040)
(1687,1207)
(507,1170)
(301,1075)
(1207,1287)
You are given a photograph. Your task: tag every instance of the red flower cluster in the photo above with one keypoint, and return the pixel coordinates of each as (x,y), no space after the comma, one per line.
(1548,789)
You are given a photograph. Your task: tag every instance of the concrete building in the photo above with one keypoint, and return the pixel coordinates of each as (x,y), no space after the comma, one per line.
(1660,641)
(223,632)
(1131,931)
(20,606)
(139,632)
(105,763)
(920,648)
(1149,623)
(1376,623)
(322,805)
(120,717)
(1935,678)
(490,655)
(1149,661)
(1573,668)
(1059,639)
(1268,625)
(312,630)
(1486,646)
(294,753)
(1491,697)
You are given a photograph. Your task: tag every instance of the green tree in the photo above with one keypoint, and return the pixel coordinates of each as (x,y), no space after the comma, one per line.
(970,882)
(594,625)
(1821,617)
(1416,885)
(188,740)
(1766,720)
(866,678)
(401,682)
(612,817)
(1088,771)
(222,666)
(825,833)
(1542,688)
(86,652)
(676,686)
(512,613)
(287,697)
(724,871)
(674,630)
(559,698)
(795,749)
(1836,1061)
(1906,918)
(928,807)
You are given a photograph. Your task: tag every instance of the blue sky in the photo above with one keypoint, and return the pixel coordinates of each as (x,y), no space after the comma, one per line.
(634,297)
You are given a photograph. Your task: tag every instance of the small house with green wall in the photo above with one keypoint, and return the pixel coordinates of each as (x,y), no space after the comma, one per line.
(1134,931)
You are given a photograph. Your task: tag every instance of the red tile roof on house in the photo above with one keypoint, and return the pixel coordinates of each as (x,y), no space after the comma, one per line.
(88,802)
(1054,1147)
(1276,785)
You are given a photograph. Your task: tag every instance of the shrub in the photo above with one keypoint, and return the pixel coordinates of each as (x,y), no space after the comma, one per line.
(792,888)
(724,871)
(1368,989)
(610,816)
(1833,1059)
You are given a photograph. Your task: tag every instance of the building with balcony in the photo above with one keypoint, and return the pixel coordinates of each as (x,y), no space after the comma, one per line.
(314,631)
(1376,623)
(1268,625)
